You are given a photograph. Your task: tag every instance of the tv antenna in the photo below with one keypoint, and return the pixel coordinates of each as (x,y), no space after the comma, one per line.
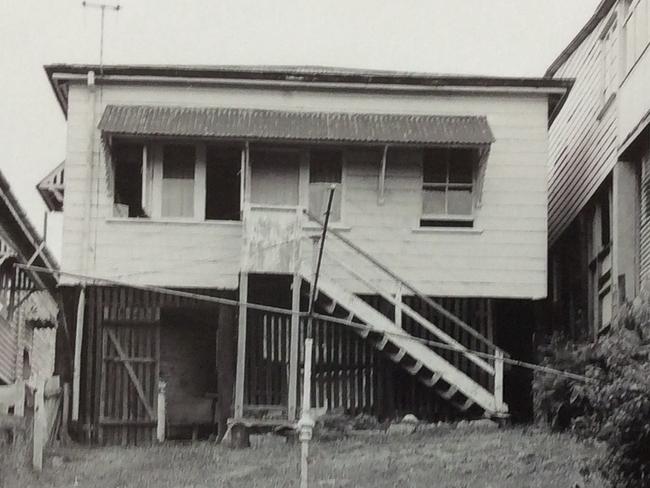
(102,8)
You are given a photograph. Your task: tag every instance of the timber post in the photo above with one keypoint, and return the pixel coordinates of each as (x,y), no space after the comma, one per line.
(241,347)
(40,426)
(161,413)
(498,380)
(295,326)
(76,374)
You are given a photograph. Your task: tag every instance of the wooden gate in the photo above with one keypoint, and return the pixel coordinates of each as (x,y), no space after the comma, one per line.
(129,383)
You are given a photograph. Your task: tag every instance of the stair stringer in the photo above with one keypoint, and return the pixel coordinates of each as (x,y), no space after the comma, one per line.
(431,361)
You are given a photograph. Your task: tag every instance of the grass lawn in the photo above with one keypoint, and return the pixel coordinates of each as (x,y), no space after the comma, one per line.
(438,457)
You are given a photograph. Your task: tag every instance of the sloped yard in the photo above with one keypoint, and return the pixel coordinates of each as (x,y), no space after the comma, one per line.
(441,456)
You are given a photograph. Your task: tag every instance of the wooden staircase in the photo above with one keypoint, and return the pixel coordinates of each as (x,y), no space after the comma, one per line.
(464,386)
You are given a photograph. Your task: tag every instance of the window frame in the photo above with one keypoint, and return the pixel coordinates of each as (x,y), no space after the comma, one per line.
(446,219)
(608,44)
(341,184)
(195,181)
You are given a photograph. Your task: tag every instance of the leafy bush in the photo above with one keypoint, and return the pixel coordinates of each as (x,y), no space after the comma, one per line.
(613,404)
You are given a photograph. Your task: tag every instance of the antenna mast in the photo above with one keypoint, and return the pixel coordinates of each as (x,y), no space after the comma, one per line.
(102,7)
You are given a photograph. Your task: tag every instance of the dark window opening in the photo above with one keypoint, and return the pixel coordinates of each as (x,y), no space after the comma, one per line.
(127,160)
(223,183)
(446,223)
(325,170)
(605,221)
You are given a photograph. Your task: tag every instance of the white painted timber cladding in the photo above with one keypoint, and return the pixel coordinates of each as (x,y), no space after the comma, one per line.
(583,147)
(504,256)
(8,350)
(634,96)
(644,232)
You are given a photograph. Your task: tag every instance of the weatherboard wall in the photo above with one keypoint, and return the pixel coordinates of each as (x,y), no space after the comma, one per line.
(504,255)
(583,137)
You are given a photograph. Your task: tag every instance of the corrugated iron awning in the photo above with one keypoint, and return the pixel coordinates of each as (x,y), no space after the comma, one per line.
(254,124)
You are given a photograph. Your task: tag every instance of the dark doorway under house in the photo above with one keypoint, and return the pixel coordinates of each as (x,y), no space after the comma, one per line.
(188,366)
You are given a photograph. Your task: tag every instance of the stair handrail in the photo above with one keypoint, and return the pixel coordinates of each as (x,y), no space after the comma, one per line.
(439,308)
(422,321)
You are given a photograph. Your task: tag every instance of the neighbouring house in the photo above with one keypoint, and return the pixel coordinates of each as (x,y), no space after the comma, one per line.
(599,238)
(183,183)
(28,309)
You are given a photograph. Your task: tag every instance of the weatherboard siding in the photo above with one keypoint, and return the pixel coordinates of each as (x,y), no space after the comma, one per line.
(8,351)
(583,137)
(504,256)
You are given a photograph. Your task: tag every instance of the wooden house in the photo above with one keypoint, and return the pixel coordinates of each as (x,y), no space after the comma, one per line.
(185,183)
(598,236)
(28,310)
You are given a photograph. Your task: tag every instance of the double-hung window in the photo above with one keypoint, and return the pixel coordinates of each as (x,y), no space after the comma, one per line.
(178,167)
(325,171)
(448,187)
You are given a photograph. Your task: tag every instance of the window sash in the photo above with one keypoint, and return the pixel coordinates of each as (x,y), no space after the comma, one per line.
(178,181)
(447,188)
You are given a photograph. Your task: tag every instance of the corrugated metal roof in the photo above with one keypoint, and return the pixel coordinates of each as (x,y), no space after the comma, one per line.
(234,123)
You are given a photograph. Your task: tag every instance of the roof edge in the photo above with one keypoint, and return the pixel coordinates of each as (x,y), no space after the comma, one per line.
(300,74)
(19,214)
(600,13)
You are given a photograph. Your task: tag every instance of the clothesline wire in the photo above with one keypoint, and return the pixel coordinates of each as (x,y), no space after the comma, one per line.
(327,318)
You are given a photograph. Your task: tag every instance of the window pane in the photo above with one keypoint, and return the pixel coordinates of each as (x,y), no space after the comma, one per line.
(325,166)
(127,160)
(433,201)
(461,166)
(275,177)
(318,195)
(434,165)
(460,202)
(222,199)
(178,181)
(178,162)
(177,197)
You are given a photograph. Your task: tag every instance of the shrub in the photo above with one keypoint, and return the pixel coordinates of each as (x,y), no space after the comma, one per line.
(614,404)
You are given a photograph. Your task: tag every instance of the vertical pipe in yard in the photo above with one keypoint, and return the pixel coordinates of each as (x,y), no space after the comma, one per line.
(306,423)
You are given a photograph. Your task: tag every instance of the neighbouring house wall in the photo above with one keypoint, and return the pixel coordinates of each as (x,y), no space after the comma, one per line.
(503,256)
(17,336)
(8,350)
(625,231)
(644,234)
(634,96)
(583,137)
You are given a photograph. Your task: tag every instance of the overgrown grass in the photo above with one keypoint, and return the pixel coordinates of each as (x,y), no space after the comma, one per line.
(440,457)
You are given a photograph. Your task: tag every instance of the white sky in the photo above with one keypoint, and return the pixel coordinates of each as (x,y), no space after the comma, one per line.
(493,37)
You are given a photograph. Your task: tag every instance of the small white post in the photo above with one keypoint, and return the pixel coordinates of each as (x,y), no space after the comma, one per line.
(161,411)
(306,423)
(498,379)
(19,406)
(40,425)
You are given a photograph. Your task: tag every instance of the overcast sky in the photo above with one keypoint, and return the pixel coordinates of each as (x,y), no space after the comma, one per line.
(494,37)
